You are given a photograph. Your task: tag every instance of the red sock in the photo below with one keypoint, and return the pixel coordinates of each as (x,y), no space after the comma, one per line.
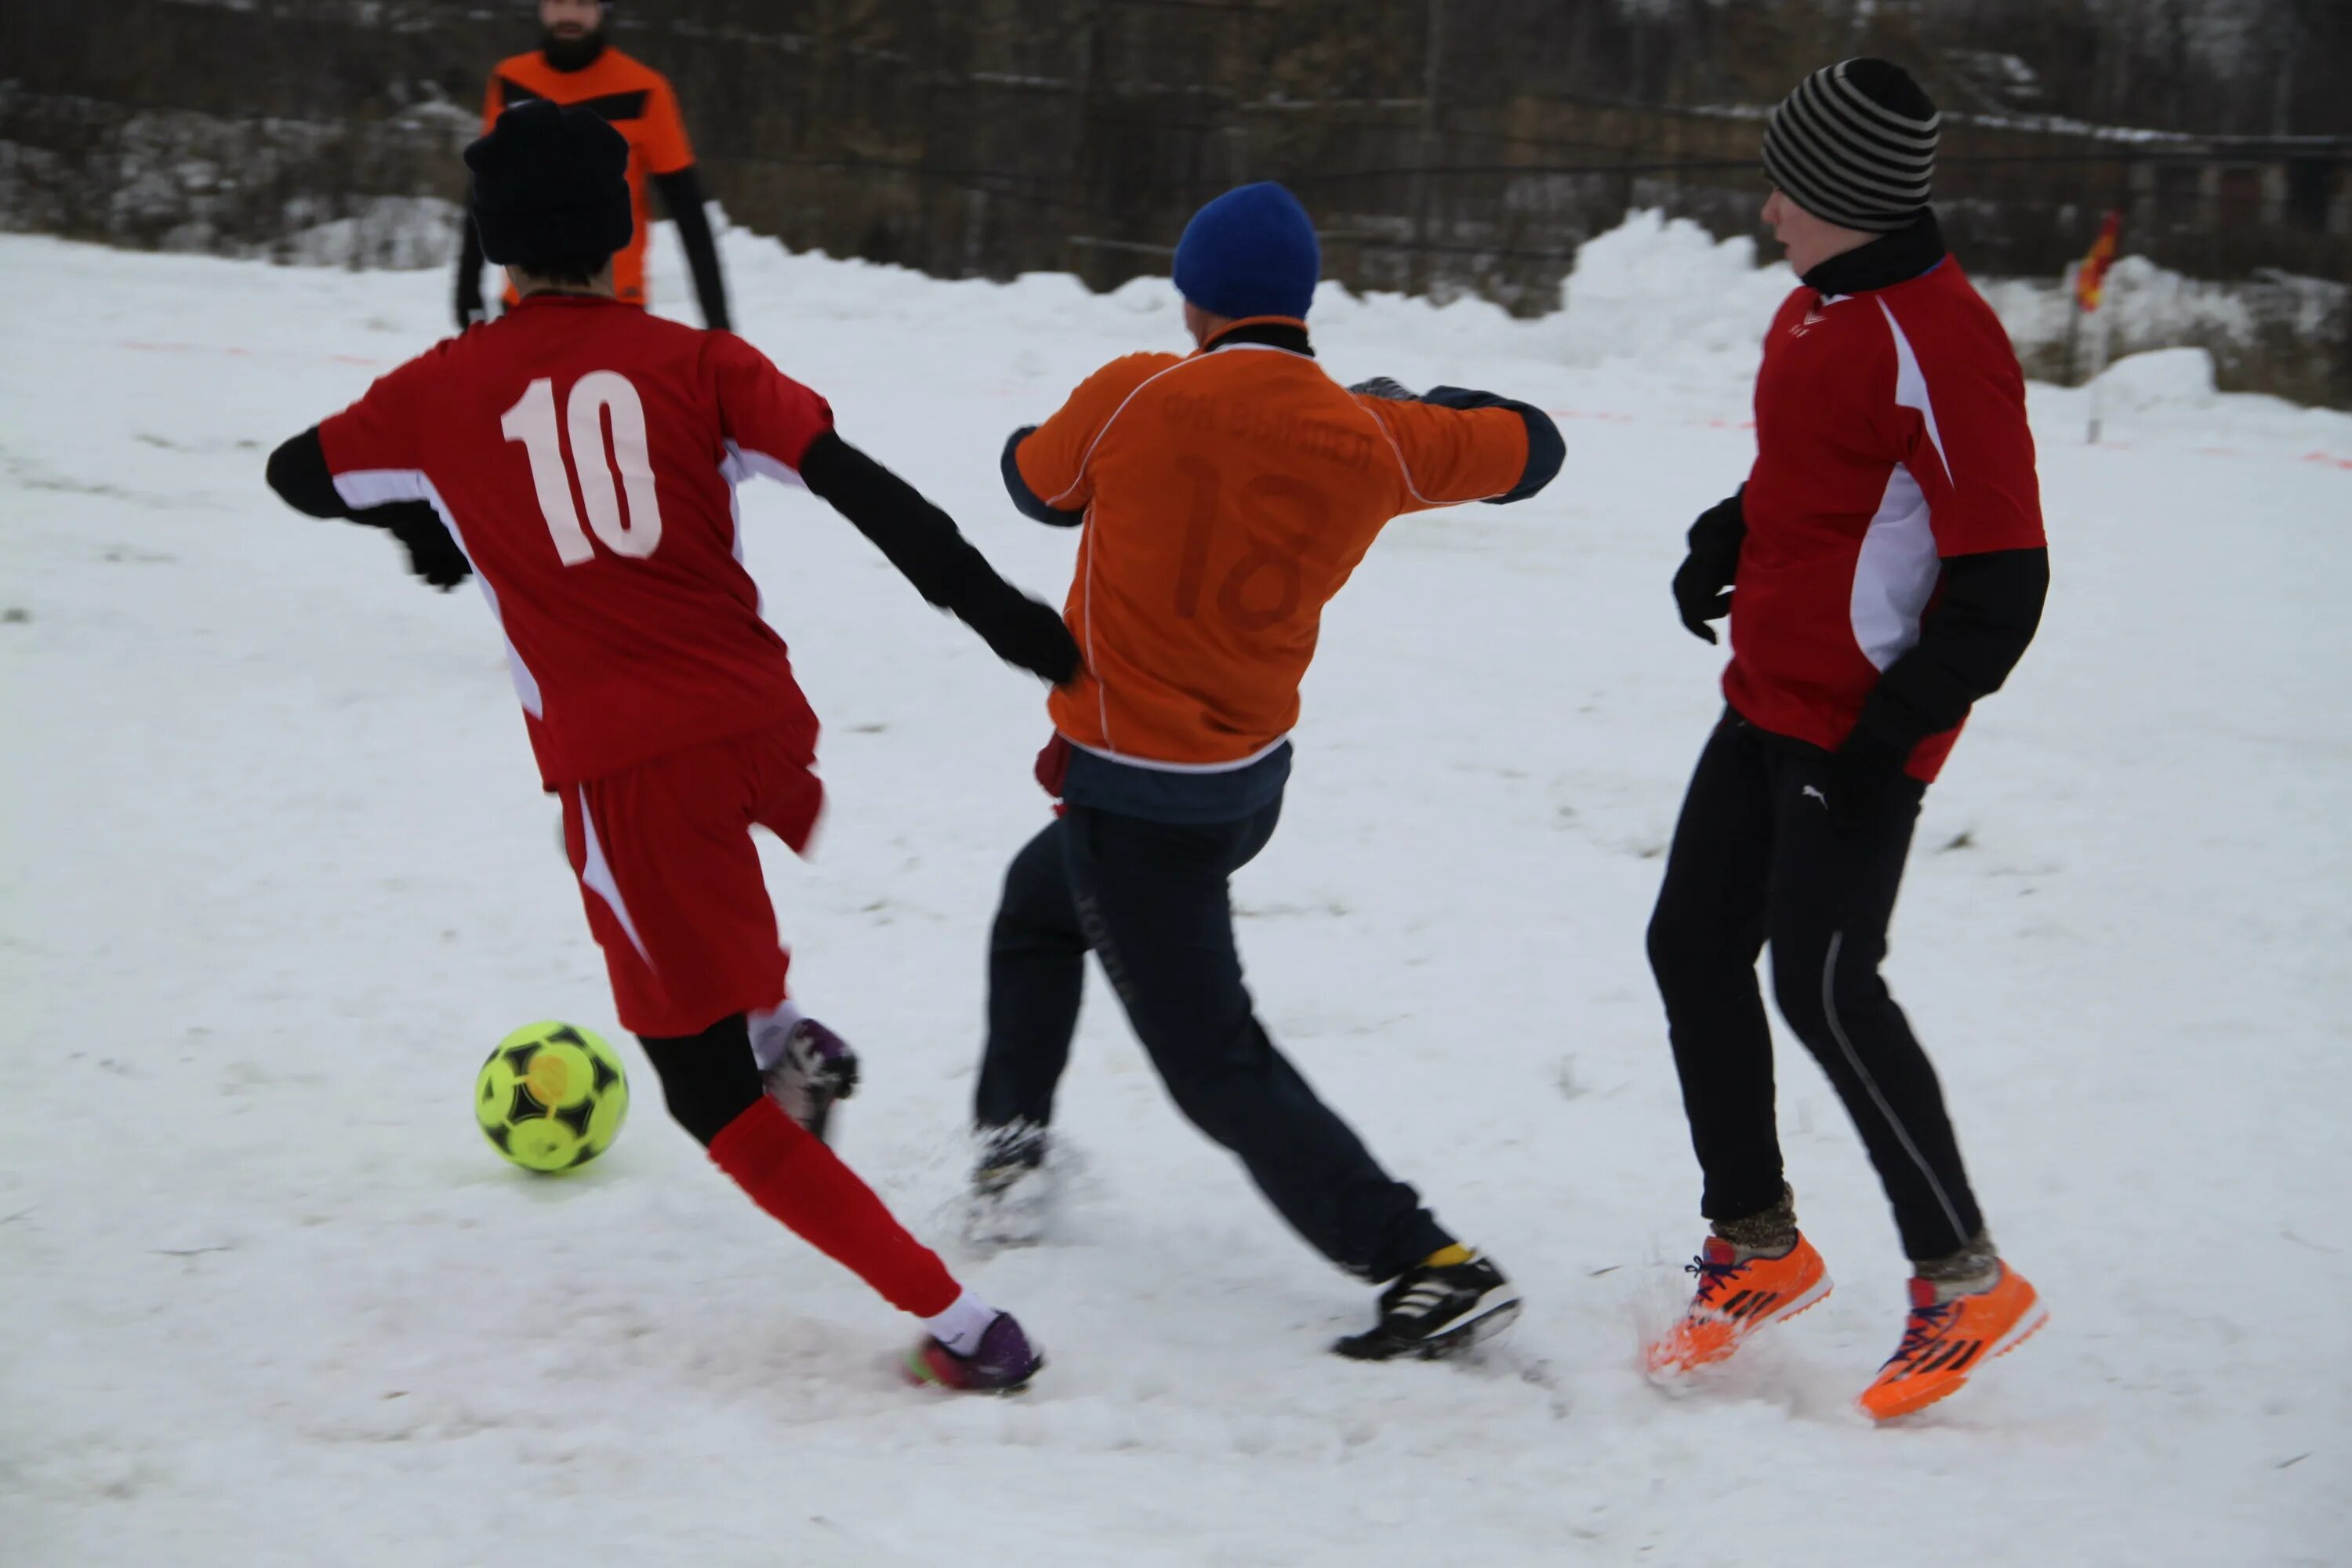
(792,1174)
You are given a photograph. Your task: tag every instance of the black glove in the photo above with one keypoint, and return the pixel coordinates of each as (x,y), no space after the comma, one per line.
(1702,585)
(432,554)
(1022,631)
(1381,386)
(1862,773)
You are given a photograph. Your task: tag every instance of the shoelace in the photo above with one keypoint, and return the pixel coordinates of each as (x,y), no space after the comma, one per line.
(1712,1276)
(1921,1330)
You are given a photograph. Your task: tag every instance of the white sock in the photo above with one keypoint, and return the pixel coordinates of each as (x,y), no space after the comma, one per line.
(770,1028)
(959,1327)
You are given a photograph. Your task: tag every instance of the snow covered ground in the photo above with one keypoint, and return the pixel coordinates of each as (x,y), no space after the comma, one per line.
(276,876)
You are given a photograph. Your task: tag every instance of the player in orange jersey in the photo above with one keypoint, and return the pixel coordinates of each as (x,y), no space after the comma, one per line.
(1225,496)
(574,65)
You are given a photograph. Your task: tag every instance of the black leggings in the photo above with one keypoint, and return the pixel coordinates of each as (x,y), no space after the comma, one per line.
(710,1078)
(1757,861)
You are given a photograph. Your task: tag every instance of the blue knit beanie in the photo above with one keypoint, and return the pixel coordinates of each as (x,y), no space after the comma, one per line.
(1251,252)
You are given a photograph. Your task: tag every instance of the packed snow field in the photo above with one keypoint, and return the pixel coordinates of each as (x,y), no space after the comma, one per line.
(277,875)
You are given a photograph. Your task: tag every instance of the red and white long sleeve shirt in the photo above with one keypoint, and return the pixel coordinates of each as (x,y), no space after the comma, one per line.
(1891,437)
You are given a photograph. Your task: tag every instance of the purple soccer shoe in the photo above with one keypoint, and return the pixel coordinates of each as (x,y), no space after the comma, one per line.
(1003,1360)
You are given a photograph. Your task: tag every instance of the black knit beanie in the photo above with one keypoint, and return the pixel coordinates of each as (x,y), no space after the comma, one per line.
(551,184)
(1855,144)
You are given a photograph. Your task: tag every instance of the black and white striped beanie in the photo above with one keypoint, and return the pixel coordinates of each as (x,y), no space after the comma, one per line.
(1855,144)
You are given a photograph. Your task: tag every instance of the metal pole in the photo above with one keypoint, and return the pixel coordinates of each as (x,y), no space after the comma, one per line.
(2098,370)
(2074,325)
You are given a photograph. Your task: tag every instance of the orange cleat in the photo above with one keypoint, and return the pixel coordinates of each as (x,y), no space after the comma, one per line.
(1737,1297)
(1944,1341)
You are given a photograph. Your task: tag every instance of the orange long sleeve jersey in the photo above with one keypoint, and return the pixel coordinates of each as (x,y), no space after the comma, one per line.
(1226,496)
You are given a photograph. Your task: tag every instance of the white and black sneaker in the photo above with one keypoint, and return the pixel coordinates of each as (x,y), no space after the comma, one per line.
(1433,1311)
(816,1068)
(1011,1186)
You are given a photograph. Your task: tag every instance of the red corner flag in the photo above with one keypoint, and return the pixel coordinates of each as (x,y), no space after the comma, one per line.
(2090,277)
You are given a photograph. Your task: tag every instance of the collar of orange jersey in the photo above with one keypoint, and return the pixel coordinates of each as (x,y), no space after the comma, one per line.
(1285,332)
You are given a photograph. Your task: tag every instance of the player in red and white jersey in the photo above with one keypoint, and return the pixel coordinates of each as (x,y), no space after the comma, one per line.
(580,456)
(1883,568)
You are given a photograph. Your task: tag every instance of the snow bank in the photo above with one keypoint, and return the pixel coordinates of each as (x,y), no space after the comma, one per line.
(1654,296)
(2177,377)
(2273,331)
(2144,305)
(1654,289)
(393,233)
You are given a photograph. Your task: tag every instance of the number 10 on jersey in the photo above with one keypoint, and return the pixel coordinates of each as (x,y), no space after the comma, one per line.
(532,422)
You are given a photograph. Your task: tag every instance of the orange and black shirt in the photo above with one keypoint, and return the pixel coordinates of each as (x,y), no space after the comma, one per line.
(636,101)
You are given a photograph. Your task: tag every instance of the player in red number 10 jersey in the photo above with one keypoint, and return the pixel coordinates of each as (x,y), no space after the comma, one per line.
(580,456)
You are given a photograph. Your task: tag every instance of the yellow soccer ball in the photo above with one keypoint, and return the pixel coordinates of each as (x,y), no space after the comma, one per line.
(551,1097)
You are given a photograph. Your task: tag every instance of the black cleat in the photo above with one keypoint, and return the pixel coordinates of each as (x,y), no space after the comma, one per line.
(1432,1311)
(1007,1154)
(1012,1191)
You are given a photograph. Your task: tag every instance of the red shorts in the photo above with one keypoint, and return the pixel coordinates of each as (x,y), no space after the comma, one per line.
(671,877)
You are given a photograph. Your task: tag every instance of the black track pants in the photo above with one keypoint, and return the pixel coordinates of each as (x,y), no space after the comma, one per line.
(1756,862)
(1150,900)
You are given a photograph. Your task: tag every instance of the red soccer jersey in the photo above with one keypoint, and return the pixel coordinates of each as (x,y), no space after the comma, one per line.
(1890,435)
(585,454)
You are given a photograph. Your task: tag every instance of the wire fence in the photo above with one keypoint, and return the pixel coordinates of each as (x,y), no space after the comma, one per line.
(995,137)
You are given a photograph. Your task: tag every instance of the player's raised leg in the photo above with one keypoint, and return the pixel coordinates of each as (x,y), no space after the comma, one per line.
(1953,1327)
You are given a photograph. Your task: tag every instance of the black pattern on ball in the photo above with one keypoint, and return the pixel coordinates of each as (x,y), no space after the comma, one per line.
(551,1097)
